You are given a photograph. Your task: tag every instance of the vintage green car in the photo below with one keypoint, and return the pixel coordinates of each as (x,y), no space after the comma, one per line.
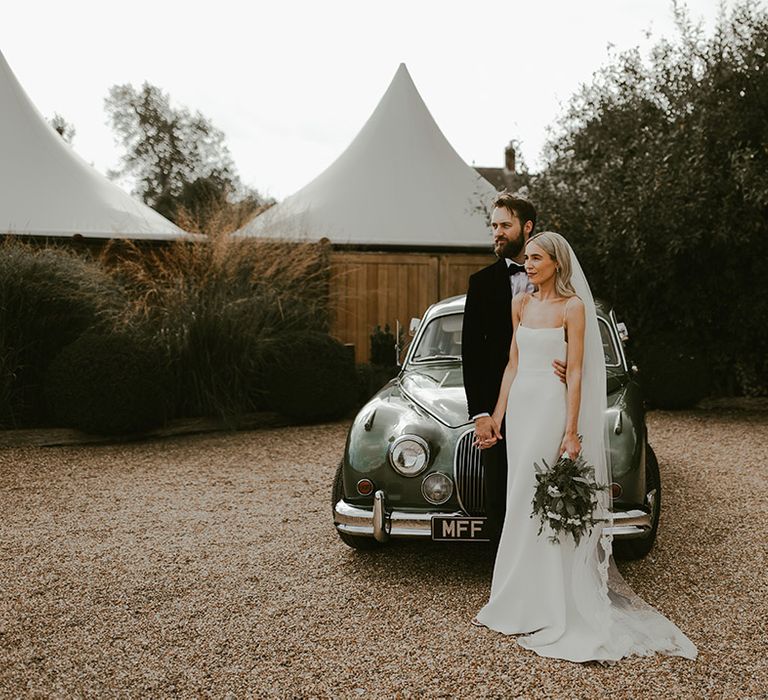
(410,470)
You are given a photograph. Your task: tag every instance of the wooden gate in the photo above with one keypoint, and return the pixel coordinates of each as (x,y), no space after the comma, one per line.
(370,289)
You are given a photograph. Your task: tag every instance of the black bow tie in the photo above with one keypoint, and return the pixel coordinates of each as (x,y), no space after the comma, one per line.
(514,268)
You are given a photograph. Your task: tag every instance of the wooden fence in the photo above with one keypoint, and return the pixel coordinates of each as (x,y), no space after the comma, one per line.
(369,289)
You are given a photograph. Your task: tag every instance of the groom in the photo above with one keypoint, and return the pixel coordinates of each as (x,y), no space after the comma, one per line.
(486,336)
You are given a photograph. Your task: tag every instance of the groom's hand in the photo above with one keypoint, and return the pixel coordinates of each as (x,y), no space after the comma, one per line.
(486,432)
(559,370)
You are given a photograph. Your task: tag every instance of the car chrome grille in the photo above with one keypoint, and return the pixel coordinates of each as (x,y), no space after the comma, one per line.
(469,475)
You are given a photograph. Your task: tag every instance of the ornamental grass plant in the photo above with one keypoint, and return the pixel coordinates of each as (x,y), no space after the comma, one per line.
(219,306)
(207,213)
(218,314)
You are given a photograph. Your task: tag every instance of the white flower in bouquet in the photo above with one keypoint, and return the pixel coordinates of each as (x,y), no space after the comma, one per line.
(566,497)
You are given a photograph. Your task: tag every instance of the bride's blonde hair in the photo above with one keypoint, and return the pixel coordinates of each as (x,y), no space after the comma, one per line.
(554,245)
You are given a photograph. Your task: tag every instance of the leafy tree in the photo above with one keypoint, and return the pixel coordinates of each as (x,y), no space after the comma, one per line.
(62,127)
(659,176)
(178,159)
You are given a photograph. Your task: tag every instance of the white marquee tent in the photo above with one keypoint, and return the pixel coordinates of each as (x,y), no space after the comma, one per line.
(399,183)
(46,189)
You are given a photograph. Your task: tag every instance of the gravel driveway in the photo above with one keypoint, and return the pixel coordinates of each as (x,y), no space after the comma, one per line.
(208,565)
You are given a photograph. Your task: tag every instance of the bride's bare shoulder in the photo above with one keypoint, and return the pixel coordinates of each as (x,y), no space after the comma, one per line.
(518,302)
(574,307)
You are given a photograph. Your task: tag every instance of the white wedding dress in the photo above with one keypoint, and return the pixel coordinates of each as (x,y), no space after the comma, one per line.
(558,596)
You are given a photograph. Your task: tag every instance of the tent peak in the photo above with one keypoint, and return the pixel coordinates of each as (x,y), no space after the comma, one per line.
(402,73)
(401,159)
(46,189)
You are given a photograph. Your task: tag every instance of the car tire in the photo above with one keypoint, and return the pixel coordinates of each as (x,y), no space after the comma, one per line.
(354,541)
(641,546)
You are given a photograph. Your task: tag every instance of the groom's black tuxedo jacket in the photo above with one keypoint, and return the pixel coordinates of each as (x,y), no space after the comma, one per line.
(486,335)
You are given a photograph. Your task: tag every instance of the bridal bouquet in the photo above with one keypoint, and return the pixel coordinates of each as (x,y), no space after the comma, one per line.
(566,497)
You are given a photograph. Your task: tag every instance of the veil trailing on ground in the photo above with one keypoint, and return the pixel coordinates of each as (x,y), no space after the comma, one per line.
(627,624)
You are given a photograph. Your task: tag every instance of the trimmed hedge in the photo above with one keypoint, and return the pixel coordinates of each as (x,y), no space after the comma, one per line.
(672,376)
(312,377)
(48,297)
(383,347)
(109,384)
(371,377)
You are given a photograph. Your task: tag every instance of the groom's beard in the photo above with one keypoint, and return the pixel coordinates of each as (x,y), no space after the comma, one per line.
(511,249)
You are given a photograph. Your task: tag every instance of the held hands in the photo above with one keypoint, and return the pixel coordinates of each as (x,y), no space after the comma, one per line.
(571,444)
(487,432)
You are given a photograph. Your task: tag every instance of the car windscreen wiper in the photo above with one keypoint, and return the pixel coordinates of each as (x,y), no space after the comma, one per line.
(428,358)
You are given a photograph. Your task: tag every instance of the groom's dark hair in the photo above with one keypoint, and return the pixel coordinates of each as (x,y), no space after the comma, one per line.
(518,206)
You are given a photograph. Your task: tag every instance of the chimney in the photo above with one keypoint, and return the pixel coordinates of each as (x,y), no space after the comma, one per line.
(509,158)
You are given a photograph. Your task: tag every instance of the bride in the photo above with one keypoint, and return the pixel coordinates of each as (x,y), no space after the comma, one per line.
(566,601)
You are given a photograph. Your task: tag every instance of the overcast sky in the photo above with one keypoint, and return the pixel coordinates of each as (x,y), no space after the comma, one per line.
(291,82)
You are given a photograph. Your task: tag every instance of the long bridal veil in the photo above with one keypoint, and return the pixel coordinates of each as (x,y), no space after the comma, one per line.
(620,617)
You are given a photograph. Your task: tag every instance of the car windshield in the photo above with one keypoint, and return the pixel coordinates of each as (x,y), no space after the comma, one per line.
(609,346)
(441,340)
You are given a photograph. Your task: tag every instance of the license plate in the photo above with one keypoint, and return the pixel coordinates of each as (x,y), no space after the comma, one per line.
(451,528)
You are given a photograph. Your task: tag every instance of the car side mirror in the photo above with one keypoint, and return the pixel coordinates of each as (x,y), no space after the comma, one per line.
(414,326)
(623,332)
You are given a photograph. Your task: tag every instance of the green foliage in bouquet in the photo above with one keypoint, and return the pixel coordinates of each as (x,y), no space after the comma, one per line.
(565,497)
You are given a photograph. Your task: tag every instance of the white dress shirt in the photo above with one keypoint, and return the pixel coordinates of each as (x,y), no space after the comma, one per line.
(519,281)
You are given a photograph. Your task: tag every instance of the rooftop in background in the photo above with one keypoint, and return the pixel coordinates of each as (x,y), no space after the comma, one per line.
(506,178)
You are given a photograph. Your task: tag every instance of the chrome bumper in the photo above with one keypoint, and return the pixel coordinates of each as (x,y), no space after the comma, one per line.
(381,523)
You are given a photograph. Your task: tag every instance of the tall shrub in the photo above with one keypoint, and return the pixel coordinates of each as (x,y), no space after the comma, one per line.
(48,296)
(106,382)
(659,177)
(311,377)
(214,304)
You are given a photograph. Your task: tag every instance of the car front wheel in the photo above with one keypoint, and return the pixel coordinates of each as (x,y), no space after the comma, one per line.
(354,541)
(639,547)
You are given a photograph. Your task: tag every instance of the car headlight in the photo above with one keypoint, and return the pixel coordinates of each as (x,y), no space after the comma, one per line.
(437,488)
(409,455)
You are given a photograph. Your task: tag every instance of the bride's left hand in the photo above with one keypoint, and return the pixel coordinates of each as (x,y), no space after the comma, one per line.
(571,445)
